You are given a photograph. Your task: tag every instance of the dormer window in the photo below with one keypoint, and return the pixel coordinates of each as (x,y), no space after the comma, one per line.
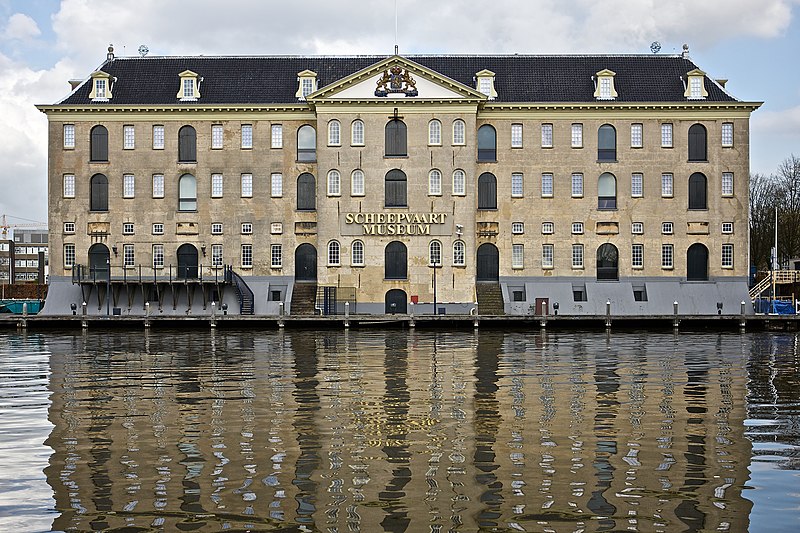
(307,83)
(485,83)
(101,87)
(695,85)
(189,90)
(604,87)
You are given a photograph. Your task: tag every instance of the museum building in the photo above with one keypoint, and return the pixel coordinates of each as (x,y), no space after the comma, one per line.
(494,184)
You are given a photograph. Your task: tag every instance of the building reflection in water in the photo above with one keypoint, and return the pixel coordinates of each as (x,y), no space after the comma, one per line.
(399,431)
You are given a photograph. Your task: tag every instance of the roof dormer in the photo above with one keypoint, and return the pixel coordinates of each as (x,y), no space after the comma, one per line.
(101,86)
(604,85)
(306,84)
(484,83)
(189,89)
(695,85)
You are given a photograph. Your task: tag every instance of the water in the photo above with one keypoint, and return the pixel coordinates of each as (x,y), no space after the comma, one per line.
(399,431)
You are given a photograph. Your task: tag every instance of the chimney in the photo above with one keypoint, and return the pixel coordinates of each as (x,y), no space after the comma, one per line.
(110,54)
(73,84)
(721,82)
(685,53)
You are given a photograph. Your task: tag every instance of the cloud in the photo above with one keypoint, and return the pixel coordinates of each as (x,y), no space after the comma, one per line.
(21,27)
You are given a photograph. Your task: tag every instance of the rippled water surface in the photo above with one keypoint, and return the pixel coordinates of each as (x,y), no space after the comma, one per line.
(399,431)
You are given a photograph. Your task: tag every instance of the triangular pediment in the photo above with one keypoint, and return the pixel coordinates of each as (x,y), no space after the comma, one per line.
(413,81)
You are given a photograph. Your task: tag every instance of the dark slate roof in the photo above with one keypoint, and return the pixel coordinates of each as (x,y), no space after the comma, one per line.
(518,78)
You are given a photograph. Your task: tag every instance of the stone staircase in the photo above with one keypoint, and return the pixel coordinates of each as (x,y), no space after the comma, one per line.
(490,298)
(304,297)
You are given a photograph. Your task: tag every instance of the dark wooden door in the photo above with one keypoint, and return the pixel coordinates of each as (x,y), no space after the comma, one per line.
(305,263)
(187,261)
(488,263)
(99,262)
(697,263)
(396,301)
(396,261)
(306,192)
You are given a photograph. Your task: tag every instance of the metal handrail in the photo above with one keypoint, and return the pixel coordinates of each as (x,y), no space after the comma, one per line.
(148,273)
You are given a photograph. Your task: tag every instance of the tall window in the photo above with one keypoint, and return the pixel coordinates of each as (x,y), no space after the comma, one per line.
(637,185)
(187,145)
(276,185)
(357,253)
(276,256)
(128,137)
(216,255)
(697,143)
(666,256)
(435,183)
(666,185)
(636,136)
(487,191)
(69,255)
(216,136)
(697,191)
(487,143)
(606,143)
(334,254)
(187,193)
(334,133)
(434,132)
(577,135)
(158,137)
(357,133)
(547,185)
(306,144)
(158,256)
(607,191)
(459,183)
(69,135)
(334,183)
(459,253)
(516,136)
(69,185)
(247,185)
(727,184)
(216,185)
(637,255)
(547,135)
(516,185)
(577,185)
(98,141)
(547,256)
(395,138)
(357,183)
(727,256)
(98,199)
(158,185)
(727,134)
(666,136)
(435,253)
(306,192)
(128,259)
(247,136)
(577,256)
(458,132)
(517,256)
(128,186)
(247,256)
(276,137)
(395,187)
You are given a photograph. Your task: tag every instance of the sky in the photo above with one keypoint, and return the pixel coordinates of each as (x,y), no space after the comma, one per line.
(44,43)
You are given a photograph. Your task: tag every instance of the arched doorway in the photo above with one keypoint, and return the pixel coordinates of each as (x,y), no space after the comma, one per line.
(488,263)
(187,261)
(395,261)
(607,262)
(697,263)
(306,192)
(99,261)
(396,301)
(487,191)
(305,263)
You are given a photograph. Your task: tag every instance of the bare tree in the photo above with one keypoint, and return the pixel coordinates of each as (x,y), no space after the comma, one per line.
(763,200)
(787,181)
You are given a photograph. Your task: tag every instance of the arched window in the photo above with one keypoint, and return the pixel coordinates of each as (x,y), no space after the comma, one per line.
(697,263)
(459,182)
(357,256)
(395,189)
(357,133)
(187,145)
(435,182)
(306,192)
(396,144)
(306,144)
(187,193)
(395,261)
(459,253)
(334,183)
(435,253)
(487,143)
(334,255)
(697,143)
(698,187)
(434,132)
(487,191)
(607,191)
(98,193)
(357,183)
(98,141)
(606,143)
(334,133)
(607,262)
(459,129)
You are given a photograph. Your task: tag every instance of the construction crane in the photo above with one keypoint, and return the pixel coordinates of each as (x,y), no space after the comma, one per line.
(5,226)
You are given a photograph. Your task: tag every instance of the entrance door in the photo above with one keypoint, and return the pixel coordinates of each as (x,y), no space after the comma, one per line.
(697,263)
(542,306)
(488,263)
(396,302)
(187,261)
(305,263)
(99,262)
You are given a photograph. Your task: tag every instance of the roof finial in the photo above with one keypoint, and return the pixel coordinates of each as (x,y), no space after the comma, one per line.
(396,47)
(110,54)
(685,53)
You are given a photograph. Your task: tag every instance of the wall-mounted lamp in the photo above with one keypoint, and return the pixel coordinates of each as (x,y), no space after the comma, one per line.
(459,229)
(74,308)
(719,308)
(114,249)
(203,249)
(224,308)
(555,308)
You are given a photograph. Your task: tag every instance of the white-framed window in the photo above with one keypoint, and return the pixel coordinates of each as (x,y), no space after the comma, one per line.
(434,133)
(216,228)
(517,228)
(727,134)
(357,183)
(547,185)
(307,86)
(69,227)
(128,259)
(69,185)
(516,185)
(247,256)
(334,253)
(69,255)
(334,133)
(637,255)
(548,228)
(188,89)
(727,227)
(637,185)
(100,88)
(357,133)
(276,138)
(435,183)
(666,256)
(727,184)
(459,253)
(247,185)
(127,228)
(459,128)
(247,136)
(547,135)
(695,87)
(247,228)
(459,183)
(158,256)
(517,256)
(604,90)
(547,255)
(216,185)
(727,256)
(158,228)
(334,183)
(276,256)
(69,136)
(667,228)
(637,228)
(577,185)
(577,256)
(636,136)
(666,136)
(516,136)
(216,137)
(435,253)
(158,185)
(577,135)
(158,137)
(276,185)
(666,185)
(128,186)
(276,228)
(216,256)
(357,253)
(577,228)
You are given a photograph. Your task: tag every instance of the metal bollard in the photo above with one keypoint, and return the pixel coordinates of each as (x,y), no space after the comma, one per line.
(147,314)
(281,312)
(84,322)
(411,323)
(347,314)
(675,320)
(608,313)
(213,315)
(742,319)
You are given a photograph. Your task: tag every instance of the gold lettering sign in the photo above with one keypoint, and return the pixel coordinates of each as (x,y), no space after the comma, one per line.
(395,224)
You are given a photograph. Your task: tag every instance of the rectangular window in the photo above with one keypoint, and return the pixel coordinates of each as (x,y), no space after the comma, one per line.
(158,228)
(637,228)
(727,184)
(69,136)
(247,136)
(517,228)
(216,255)
(695,87)
(516,136)
(637,256)
(577,135)
(127,255)
(727,256)
(216,185)
(127,228)
(276,256)
(216,137)
(548,228)
(727,227)
(216,228)
(247,228)
(547,185)
(516,185)
(577,256)
(666,228)
(188,88)
(128,138)
(247,256)
(99,88)
(666,256)
(577,185)
(577,228)
(727,134)
(158,185)
(277,136)
(158,137)
(547,256)
(69,185)
(666,136)
(636,136)
(637,185)
(276,186)
(605,88)
(158,256)
(547,135)
(666,185)
(69,227)
(69,255)
(128,186)
(517,256)
(247,185)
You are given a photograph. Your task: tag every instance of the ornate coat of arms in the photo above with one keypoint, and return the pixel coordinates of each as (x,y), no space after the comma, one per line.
(396,80)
